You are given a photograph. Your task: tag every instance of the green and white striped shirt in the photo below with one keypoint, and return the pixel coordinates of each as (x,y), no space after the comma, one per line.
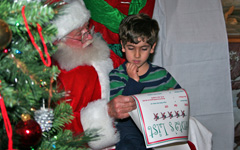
(155,79)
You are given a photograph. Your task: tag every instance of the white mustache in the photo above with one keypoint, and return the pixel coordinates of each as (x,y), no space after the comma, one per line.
(87,43)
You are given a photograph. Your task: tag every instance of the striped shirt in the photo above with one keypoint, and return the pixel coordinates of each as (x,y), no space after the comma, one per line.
(155,79)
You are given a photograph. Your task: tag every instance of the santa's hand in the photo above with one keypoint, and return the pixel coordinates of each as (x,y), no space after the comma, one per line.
(119,107)
(132,71)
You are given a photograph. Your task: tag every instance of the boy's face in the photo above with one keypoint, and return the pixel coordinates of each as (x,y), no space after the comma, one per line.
(138,53)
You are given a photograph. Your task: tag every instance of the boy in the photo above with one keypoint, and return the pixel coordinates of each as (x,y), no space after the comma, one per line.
(138,37)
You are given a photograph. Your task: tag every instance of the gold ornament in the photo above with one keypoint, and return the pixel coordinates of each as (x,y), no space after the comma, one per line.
(5,34)
(33,109)
(25,117)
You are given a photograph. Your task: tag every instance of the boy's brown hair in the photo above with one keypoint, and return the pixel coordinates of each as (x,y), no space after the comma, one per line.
(138,26)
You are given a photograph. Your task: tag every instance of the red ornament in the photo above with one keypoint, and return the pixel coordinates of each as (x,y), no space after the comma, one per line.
(30,133)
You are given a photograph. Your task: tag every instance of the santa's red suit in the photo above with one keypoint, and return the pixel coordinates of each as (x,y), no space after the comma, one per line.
(84,77)
(87,81)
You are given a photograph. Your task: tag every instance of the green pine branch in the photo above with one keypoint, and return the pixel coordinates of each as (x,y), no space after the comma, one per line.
(25,80)
(65,141)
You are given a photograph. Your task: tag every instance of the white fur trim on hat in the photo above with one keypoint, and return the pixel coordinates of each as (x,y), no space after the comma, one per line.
(75,14)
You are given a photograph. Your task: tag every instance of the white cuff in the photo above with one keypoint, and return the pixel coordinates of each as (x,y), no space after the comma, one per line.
(95,116)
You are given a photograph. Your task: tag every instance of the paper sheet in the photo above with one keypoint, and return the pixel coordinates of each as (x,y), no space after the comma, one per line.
(162,117)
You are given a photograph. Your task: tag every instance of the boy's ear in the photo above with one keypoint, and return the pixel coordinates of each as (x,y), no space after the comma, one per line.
(153,48)
(123,49)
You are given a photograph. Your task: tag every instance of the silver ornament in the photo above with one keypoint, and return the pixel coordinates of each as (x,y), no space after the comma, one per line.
(44,117)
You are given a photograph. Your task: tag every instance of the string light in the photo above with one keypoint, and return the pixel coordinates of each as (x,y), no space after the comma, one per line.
(5,50)
(18,52)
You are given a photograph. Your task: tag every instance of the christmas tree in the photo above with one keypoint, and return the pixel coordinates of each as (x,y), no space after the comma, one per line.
(31,116)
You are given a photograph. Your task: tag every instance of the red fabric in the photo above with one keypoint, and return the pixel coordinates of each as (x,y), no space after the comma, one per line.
(117,61)
(83,82)
(111,37)
(191,145)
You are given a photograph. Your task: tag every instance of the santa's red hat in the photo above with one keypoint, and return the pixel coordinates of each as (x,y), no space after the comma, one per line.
(73,15)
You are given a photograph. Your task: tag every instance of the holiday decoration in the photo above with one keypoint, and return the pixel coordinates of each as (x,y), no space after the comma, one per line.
(5,34)
(29,130)
(27,77)
(6,122)
(45,118)
(48,63)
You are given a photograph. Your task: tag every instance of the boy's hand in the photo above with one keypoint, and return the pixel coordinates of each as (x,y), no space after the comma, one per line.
(119,107)
(132,71)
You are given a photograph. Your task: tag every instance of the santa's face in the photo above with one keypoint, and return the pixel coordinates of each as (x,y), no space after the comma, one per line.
(79,38)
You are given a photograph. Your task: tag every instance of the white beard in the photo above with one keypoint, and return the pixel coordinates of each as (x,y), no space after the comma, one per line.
(69,58)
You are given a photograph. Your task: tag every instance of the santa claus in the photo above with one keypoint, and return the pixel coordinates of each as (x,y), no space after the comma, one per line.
(85,60)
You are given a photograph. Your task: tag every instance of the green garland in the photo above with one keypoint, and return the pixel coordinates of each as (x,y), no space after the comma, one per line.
(111,17)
